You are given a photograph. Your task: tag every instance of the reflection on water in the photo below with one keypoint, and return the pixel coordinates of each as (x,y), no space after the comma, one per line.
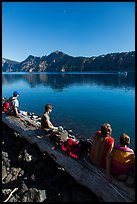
(62,81)
(82,102)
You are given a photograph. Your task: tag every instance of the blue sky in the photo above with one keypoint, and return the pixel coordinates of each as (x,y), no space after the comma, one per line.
(75,28)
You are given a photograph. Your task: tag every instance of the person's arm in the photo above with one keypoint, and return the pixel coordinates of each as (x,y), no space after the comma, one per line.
(50,125)
(16,110)
(108,162)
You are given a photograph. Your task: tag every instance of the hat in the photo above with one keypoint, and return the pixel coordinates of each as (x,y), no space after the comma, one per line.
(15,93)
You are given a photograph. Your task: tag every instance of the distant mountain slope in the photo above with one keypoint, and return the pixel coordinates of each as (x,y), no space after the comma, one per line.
(9,65)
(59,61)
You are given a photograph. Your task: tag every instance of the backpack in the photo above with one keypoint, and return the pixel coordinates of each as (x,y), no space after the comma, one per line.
(84,146)
(59,137)
(71,148)
(75,148)
(6,106)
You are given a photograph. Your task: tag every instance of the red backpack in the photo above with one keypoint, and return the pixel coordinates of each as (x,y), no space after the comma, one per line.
(6,106)
(70,147)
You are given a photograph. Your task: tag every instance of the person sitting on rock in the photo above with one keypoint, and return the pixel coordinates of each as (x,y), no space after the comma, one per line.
(123,157)
(46,124)
(15,104)
(100,153)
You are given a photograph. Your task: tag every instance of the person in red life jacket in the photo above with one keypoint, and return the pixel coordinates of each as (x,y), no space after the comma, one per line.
(103,143)
(7,105)
(123,157)
(15,104)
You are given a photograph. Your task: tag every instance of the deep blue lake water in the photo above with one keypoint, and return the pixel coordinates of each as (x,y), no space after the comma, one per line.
(81,102)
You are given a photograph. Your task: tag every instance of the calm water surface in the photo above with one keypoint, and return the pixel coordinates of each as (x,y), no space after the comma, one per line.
(81,102)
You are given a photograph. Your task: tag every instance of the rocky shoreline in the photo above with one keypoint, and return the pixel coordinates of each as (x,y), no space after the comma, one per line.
(31,176)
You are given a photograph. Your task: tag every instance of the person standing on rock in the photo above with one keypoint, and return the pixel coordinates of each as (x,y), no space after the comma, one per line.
(46,124)
(15,104)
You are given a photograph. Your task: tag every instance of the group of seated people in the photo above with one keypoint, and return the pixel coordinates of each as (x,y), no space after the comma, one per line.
(117,159)
(105,153)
